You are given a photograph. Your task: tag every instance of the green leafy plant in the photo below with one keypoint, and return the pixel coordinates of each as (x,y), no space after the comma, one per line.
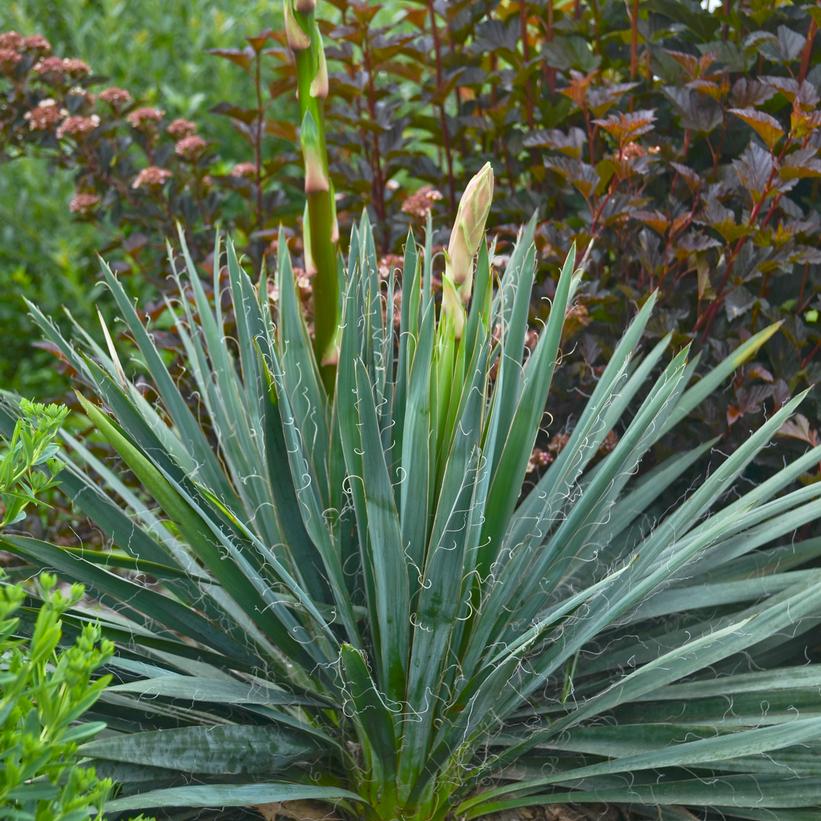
(28,460)
(357,602)
(44,691)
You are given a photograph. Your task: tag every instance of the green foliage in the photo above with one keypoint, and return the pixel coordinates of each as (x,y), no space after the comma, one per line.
(683,142)
(381,620)
(155,49)
(45,254)
(47,249)
(44,691)
(28,461)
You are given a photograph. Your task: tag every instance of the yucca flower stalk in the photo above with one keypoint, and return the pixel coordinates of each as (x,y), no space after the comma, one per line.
(354,607)
(320,231)
(467,236)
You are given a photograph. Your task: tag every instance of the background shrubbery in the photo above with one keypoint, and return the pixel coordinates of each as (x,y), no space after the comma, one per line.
(47,251)
(684,143)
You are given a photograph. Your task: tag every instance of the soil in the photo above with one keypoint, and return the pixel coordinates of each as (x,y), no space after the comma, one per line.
(591,812)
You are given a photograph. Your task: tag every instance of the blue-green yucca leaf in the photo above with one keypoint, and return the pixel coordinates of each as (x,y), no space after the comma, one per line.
(707,384)
(723,794)
(219,690)
(645,573)
(300,374)
(416,480)
(229,749)
(688,753)
(740,563)
(384,554)
(241,579)
(193,436)
(521,421)
(409,332)
(531,519)
(446,577)
(309,504)
(689,656)
(514,294)
(142,605)
(229,795)
(373,718)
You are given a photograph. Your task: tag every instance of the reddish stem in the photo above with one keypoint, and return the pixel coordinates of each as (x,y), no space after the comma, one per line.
(526,57)
(550,73)
(706,320)
(811,355)
(634,39)
(591,135)
(804,280)
(806,55)
(443,121)
(258,139)
(378,184)
(725,26)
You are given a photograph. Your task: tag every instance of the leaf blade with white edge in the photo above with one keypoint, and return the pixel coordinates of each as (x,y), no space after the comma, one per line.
(229,795)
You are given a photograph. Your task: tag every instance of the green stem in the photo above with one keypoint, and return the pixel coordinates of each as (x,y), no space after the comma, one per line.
(322,245)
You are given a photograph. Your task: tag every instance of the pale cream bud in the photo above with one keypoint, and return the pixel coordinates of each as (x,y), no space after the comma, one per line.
(469,230)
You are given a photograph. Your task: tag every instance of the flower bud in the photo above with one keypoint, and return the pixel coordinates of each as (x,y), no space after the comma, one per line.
(305,6)
(468,230)
(298,40)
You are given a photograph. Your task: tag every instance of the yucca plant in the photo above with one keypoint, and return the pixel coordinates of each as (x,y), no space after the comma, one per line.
(354,604)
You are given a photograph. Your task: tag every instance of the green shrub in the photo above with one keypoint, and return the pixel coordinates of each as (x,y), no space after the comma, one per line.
(44,691)
(72,183)
(353,603)
(28,463)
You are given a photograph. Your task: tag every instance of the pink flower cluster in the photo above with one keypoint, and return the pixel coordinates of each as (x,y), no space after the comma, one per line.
(189,148)
(180,128)
(83,204)
(115,97)
(144,118)
(45,115)
(58,68)
(244,170)
(151,177)
(78,126)
(13,46)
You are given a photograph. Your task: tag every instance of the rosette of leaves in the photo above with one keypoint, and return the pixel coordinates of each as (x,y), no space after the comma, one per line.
(350,599)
